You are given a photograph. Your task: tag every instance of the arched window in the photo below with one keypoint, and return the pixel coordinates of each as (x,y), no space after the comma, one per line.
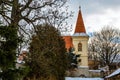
(79,46)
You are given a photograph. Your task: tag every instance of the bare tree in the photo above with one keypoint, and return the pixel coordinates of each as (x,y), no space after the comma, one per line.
(24,15)
(33,12)
(104,46)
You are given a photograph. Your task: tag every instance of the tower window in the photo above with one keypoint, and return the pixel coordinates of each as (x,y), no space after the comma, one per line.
(79,46)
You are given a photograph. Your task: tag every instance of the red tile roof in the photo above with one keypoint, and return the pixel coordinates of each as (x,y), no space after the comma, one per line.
(80,28)
(68,42)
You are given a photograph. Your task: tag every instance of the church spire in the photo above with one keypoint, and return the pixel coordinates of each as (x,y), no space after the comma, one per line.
(79,8)
(80,28)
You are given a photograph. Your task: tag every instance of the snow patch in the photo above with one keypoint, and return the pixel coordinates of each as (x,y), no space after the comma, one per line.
(98,71)
(114,73)
(80,34)
(77,78)
(83,67)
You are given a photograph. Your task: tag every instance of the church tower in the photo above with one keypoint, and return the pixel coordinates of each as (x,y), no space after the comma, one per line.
(80,44)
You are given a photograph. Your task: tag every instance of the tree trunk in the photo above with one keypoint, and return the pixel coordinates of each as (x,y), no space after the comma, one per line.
(15,14)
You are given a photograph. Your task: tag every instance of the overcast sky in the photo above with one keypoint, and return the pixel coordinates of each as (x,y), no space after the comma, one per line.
(97,13)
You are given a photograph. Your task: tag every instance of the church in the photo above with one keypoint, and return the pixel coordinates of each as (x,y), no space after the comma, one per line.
(79,41)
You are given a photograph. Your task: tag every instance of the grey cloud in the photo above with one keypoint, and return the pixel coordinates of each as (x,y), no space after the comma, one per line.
(110,3)
(97,6)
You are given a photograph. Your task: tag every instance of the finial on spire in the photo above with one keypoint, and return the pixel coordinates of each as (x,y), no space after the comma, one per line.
(79,7)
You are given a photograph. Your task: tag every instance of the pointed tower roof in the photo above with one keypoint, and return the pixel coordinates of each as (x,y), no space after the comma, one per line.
(80,28)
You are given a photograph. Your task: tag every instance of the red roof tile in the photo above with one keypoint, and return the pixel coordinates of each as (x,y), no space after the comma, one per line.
(80,28)
(68,42)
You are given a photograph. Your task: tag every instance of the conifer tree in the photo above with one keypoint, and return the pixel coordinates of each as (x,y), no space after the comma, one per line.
(8,43)
(73,59)
(47,55)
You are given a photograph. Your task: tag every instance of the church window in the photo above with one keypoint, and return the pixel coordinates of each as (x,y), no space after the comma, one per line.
(79,46)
